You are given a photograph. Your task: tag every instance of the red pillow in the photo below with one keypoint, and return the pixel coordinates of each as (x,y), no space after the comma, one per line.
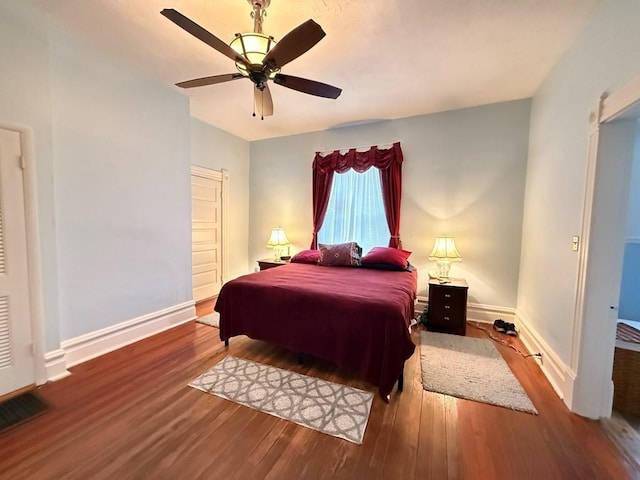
(306,256)
(387,255)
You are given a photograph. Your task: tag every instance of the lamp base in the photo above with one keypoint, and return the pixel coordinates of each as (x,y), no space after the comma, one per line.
(443,271)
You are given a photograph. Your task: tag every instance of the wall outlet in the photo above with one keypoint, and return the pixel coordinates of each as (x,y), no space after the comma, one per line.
(575,243)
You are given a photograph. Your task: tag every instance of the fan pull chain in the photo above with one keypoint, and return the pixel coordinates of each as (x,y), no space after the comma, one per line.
(253,103)
(262,101)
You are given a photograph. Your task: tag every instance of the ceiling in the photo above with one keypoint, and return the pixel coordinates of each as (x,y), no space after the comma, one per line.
(392,58)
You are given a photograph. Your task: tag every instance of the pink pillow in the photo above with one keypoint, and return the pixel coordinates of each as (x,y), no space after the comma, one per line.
(306,256)
(340,255)
(387,255)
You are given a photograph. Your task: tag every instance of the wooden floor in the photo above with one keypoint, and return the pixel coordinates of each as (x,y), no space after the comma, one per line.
(624,431)
(130,414)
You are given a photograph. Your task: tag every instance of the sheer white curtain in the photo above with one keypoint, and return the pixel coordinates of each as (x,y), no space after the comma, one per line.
(355,211)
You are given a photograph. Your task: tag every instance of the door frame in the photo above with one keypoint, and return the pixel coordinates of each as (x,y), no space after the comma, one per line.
(592,393)
(36,302)
(221,175)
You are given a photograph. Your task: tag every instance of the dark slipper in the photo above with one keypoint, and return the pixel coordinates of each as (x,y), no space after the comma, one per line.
(500,326)
(510,329)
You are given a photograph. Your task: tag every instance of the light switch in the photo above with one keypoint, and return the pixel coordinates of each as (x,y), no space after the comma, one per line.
(575,243)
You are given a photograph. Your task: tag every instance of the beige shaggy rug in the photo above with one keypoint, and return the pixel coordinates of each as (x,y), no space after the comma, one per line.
(470,368)
(328,407)
(211,319)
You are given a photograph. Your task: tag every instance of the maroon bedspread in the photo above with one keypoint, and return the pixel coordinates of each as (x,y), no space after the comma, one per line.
(357,318)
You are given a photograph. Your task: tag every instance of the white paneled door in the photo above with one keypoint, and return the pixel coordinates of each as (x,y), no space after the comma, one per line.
(206,215)
(16,353)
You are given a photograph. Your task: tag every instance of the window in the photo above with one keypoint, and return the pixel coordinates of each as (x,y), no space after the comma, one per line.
(388,163)
(355,211)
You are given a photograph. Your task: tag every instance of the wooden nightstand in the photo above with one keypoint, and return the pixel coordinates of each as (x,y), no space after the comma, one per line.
(267,263)
(448,306)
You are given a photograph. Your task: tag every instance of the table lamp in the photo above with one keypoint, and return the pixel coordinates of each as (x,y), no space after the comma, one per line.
(444,252)
(278,240)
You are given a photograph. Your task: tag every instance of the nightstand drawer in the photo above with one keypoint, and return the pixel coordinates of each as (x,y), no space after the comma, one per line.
(450,295)
(448,310)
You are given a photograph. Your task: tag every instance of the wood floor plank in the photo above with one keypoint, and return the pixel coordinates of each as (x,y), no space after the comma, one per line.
(130,414)
(400,460)
(624,430)
(454,466)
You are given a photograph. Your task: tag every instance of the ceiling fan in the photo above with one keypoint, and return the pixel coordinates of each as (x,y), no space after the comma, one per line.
(259,57)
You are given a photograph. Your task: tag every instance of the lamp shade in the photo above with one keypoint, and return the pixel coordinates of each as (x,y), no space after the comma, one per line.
(254,47)
(444,248)
(278,238)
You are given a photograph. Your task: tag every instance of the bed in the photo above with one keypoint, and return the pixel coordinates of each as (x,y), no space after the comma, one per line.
(356,318)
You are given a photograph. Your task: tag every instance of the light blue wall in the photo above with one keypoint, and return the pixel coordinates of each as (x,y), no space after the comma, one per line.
(123,189)
(633,212)
(603,57)
(25,99)
(112,166)
(116,148)
(629,306)
(216,149)
(463,175)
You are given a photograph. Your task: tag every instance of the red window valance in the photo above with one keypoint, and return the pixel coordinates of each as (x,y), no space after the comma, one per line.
(359,161)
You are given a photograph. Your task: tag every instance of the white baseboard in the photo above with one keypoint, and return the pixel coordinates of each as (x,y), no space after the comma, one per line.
(478,312)
(55,365)
(559,374)
(85,347)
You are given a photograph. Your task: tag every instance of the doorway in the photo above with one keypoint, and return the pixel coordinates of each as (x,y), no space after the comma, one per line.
(208,207)
(629,304)
(610,153)
(610,159)
(624,425)
(17,369)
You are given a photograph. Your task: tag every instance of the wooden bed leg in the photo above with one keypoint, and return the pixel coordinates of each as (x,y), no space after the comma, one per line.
(226,342)
(401,380)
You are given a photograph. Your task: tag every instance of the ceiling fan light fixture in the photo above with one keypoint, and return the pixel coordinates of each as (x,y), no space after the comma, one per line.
(254,47)
(258,58)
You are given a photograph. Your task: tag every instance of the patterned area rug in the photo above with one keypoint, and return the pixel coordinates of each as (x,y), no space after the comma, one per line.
(470,368)
(328,407)
(211,319)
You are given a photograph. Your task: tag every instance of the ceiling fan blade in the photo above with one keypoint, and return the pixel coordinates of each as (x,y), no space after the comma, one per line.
(307,86)
(204,81)
(263,100)
(202,34)
(294,44)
